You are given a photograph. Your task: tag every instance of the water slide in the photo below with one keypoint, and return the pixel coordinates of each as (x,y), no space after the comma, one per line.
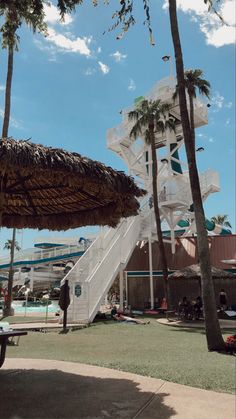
(210,226)
(33,257)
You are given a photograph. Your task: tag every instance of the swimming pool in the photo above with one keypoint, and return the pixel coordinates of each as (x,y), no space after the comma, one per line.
(20,309)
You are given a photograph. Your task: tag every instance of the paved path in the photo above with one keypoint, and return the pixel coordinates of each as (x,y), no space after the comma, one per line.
(44,389)
(43,325)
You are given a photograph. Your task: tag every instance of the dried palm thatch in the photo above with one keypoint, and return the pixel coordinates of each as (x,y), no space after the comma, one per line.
(194,272)
(43,187)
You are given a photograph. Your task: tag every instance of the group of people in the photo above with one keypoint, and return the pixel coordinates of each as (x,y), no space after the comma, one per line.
(191,310)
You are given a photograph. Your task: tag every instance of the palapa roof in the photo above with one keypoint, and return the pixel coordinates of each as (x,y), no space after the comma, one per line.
(44,187)
(194,272)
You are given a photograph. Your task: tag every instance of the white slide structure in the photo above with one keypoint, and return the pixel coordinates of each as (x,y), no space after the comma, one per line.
(95,272)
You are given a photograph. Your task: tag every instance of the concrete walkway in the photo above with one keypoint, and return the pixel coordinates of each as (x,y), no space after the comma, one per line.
(44,326)
(44,389)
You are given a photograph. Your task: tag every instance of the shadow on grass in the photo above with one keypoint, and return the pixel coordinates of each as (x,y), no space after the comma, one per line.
(56,394)
(197,330)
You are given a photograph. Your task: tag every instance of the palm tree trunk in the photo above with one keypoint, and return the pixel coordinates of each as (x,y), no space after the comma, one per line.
(213,332)
(192,119)
(157,217)
(8,93)
(7,309)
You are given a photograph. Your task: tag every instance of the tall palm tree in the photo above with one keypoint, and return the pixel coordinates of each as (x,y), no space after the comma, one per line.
(212,327)
(149,117)
(125,18)
(15,13)
(222,220)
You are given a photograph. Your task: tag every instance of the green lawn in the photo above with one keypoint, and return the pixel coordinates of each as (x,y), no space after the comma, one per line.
(173,354)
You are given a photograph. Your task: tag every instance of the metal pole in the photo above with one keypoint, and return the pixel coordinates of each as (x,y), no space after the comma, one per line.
(46,319)
(26,302)
(126,288)
(65,305)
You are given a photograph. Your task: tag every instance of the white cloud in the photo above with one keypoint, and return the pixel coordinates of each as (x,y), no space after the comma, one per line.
(103,67)
(77,45)
(217,100)
(13,122)
(227,122)
(229,105)
(203,136)
(89,71)
(215,32)
(211,140)
(52,16)
(2,88)
(118,56)
(132,85)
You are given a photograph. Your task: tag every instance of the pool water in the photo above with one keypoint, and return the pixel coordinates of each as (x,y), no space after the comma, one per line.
(19,309)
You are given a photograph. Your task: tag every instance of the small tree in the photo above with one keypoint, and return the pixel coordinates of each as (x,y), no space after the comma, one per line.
(9,243)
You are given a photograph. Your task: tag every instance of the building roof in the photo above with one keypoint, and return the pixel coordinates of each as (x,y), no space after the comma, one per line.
(194,272)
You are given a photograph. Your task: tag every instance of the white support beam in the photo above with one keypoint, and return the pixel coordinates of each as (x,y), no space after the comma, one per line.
(121,280)
(151,273)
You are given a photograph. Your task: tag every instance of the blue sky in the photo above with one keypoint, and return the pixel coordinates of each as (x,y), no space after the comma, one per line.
(68,88)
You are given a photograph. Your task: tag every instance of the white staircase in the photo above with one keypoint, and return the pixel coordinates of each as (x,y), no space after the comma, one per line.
(96,270)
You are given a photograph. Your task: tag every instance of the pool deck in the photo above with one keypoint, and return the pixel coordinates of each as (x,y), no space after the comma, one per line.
(45,326)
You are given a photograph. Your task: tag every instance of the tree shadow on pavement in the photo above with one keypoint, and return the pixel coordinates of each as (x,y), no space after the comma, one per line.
(49,394)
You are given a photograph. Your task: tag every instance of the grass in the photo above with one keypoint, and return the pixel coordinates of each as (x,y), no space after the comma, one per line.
(169,353)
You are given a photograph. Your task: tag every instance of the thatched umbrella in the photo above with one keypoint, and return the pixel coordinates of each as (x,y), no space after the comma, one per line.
(194,272)
(50,188)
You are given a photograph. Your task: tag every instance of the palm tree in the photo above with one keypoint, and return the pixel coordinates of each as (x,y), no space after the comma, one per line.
(213,332)
(193,80)
(15,12)
(222,220)
(149,117)
(9,243)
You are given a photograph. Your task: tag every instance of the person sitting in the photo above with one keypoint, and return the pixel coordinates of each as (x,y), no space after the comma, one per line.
(198,307)
(163,307)
(184,307)
(113,312)
(223,299)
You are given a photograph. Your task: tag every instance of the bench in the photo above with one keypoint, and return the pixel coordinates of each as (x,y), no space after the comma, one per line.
(4,336)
